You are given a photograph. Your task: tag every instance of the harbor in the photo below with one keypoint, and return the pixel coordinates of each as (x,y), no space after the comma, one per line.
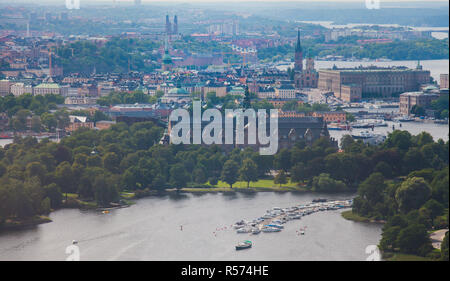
(274,219)
(150,230)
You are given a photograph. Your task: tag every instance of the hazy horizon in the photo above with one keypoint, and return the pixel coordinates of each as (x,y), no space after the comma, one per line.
(212,1)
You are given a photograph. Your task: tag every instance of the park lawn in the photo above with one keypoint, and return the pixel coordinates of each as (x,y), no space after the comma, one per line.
(15,224)
(256,184)
(349,215)
(407,257)
(127,195)
(71,195)
(260,185)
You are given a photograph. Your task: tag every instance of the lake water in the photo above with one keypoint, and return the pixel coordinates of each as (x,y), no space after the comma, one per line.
(150,230)
(437,131)
(438,32)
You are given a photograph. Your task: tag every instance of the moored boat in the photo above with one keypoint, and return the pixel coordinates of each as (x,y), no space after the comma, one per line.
(271,229)
(256,231)
(244,245)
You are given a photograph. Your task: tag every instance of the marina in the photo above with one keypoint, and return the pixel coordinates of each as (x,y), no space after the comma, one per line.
(150,230)
(273,219)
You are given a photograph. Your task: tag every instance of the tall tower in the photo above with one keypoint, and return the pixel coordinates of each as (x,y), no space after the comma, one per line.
(166,59)
(298,66)
(298,63)
(168,25)
(309,62)
(175,25)
(28,30)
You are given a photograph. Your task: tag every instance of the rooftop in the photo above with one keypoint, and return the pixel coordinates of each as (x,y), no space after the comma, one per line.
(416,94)
(372,69)
(47,86)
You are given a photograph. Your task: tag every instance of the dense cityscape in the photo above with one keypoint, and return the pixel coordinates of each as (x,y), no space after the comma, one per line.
(362,102)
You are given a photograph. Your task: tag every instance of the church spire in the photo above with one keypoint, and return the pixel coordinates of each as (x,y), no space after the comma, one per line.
(166,45)
(298,47)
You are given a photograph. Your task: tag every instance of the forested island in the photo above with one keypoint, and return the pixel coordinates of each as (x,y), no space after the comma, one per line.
(403,181)
(121,55)
(423,49)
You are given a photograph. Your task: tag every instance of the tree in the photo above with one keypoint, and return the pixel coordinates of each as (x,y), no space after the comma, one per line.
(248,171)
(213,180)
(440,187)
(298,173)
(19,122)
(418,110)
(63,154)
(2,169)
(111,162)
(399,139)
(246,103)
(423,139)
(434,208)
(372,189)
(106,190)
(414,160)
(53,192)
(230,172)
(324,183)
(414,240)
(49,121)
(179,177)
(383,168)
(36,124)
(64,177)
(283,160)
(346,142)
(281,178)
(412,194)
(36,169)
(389,238)
(199,176)
(444,248)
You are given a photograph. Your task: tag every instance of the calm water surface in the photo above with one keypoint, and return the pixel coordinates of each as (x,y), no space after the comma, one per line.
(150,230)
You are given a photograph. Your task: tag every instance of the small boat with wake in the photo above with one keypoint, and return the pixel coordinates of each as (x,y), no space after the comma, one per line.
(244,245)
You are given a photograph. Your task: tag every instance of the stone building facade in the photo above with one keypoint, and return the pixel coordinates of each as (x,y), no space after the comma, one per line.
(352,84)
(408,100)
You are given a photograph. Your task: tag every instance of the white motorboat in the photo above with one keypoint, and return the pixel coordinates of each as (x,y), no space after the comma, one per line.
(256,231)
(243,230)
(244,245)
(271,229)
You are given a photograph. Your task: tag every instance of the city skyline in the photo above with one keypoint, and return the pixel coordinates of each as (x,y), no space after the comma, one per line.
(217,1)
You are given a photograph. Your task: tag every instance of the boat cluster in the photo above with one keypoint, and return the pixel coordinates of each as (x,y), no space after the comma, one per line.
(273,219)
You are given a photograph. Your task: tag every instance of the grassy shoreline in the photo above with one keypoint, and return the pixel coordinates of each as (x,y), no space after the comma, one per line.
(241,186)
(10,224)
(349,215)
(403,257)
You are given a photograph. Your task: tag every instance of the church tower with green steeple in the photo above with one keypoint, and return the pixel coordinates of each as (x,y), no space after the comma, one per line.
(166,59)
